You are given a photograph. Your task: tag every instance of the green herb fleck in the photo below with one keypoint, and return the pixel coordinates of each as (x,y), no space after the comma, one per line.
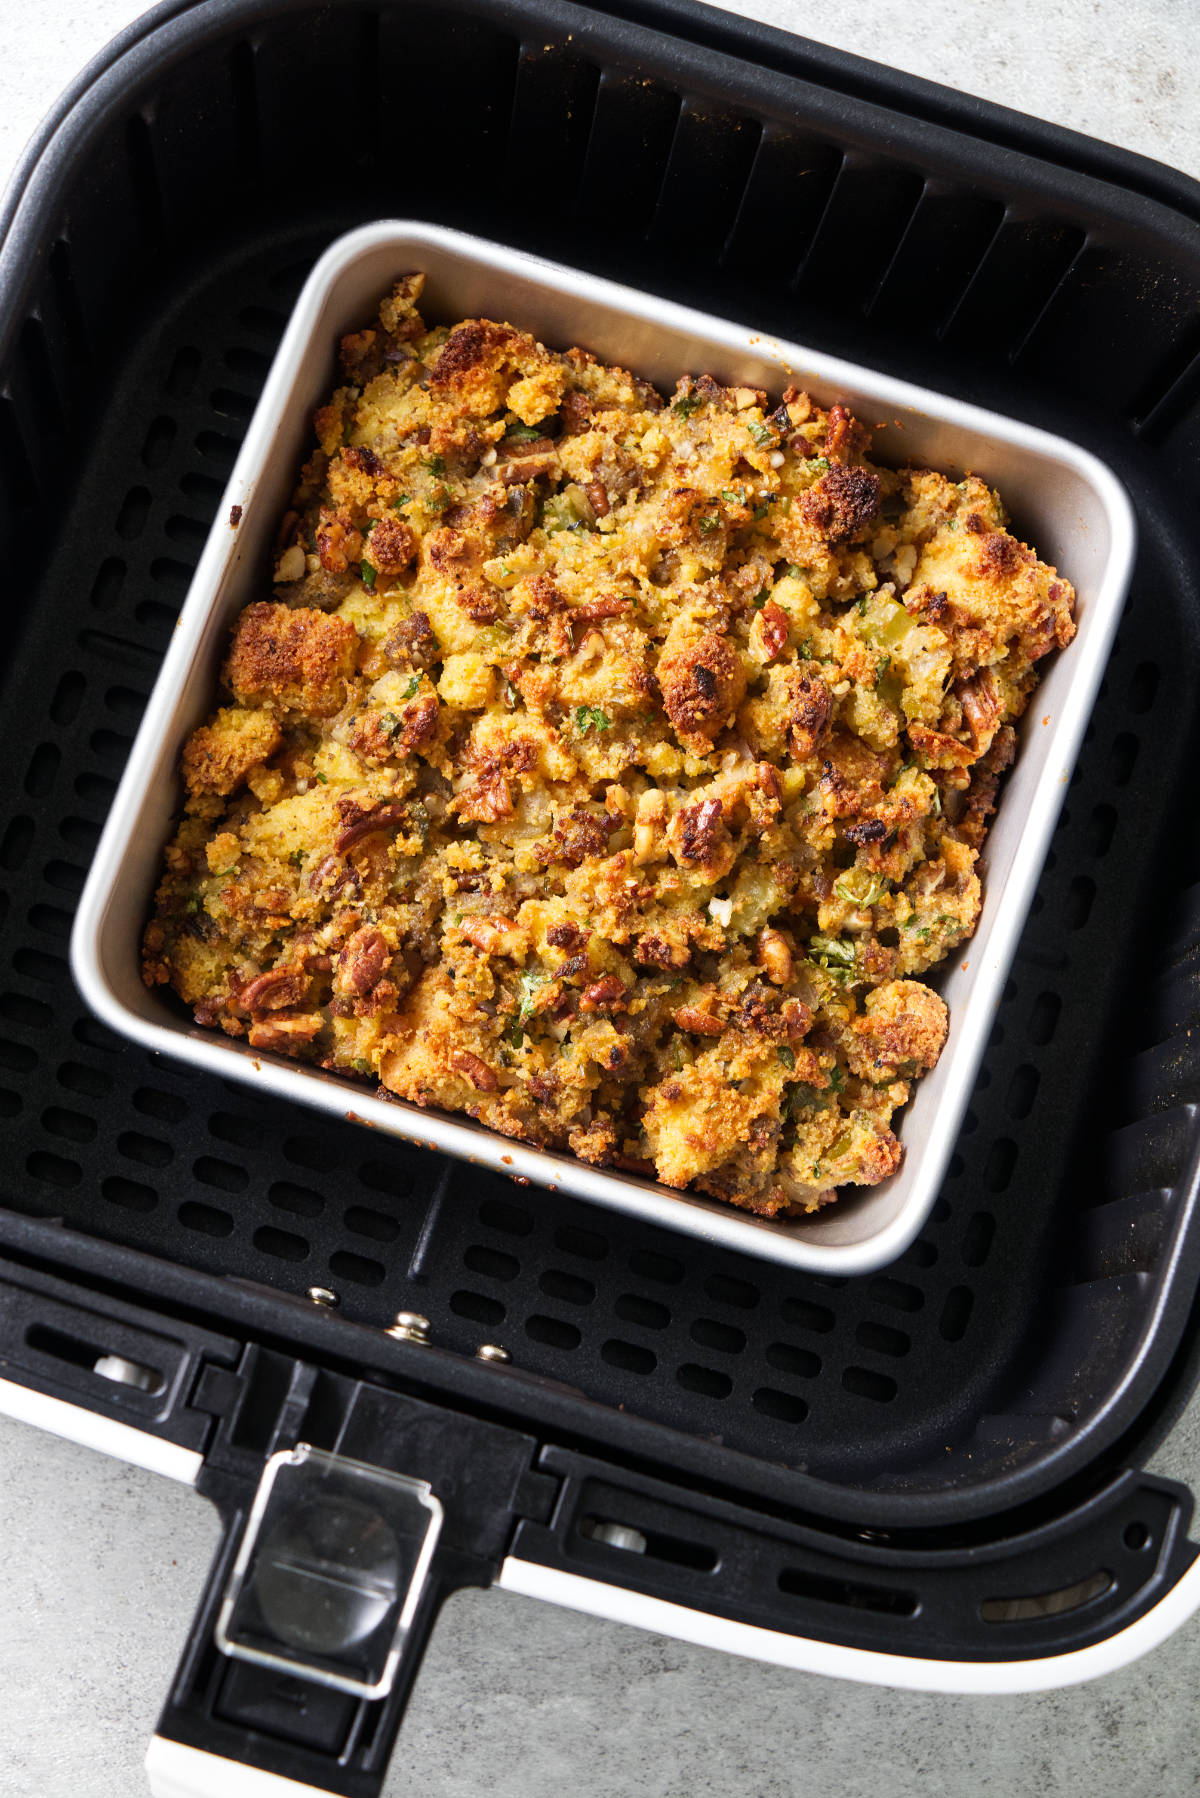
(760,598)
(832,951)
(858,887)
(435,464)
(323,778)
(764,506)
(398,505)
(818,464)
(527,988)
(816,1170)
(709,525)
(678,1053)
(368,574)
(411,688)
(761,433)
(793,571)
(882,666)
(836,1078)
(438,502)
(519,433)
(590,717)
(360,1066)
(193,905)
(788,1057)
(806,648)
(685,405)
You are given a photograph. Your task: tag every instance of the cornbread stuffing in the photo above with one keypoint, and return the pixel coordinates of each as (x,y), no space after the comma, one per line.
(610,769)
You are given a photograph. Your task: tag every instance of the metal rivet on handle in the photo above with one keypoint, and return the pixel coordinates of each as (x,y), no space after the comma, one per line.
(321,1295)
(492,1351)
(410,1326)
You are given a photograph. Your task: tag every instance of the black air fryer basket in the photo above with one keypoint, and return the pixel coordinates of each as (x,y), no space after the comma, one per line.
(941,1461)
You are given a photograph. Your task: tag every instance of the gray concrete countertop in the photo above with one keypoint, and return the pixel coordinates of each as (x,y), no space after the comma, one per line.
(101,1564)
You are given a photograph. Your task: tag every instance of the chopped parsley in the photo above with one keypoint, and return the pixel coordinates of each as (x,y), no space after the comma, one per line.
(760,598)
(882,666)
(836,1078)
(323,778)
(710,524)
(685,405)
(832,952)
(788,1057)
(398,505)
(435,464)
(519,433)
(360,1066)
(391,723)
(858,887)
(761,433)
(411,688)
(818,464)
(806,648)
(437,502)
(590,717)
(793,571)
(368,573)
(193,904)
(764,506)
(527,988)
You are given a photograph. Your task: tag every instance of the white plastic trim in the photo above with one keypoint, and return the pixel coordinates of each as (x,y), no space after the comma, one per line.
(123,1440)
(176,1771)
(870,1668)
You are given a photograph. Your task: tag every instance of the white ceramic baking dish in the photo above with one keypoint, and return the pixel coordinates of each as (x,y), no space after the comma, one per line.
(1062,500)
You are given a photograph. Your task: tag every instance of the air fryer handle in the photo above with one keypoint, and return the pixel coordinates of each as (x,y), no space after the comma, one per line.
(235,1729)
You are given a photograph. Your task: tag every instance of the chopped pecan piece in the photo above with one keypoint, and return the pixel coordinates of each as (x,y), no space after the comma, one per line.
(360,821)
(697,1022)
(606,994)
(475,1070)
(285,1033)
(772,628)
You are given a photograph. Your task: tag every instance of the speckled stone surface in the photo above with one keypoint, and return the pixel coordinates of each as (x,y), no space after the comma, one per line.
(101,1564)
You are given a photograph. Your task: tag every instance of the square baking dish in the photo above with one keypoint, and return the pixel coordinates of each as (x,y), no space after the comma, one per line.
(1062,500)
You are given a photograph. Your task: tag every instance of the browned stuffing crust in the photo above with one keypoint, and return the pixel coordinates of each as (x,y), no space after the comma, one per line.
(605,768)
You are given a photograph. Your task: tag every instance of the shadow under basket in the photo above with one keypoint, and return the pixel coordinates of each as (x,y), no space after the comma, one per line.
(936,1462)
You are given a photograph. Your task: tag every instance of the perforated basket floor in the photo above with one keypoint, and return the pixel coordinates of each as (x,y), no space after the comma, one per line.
(1006,1333)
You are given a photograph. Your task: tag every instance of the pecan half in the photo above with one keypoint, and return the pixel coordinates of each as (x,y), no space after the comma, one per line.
(275,990)
(362,962)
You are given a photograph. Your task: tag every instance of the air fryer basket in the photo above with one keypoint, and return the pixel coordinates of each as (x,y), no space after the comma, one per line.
(996,1379)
